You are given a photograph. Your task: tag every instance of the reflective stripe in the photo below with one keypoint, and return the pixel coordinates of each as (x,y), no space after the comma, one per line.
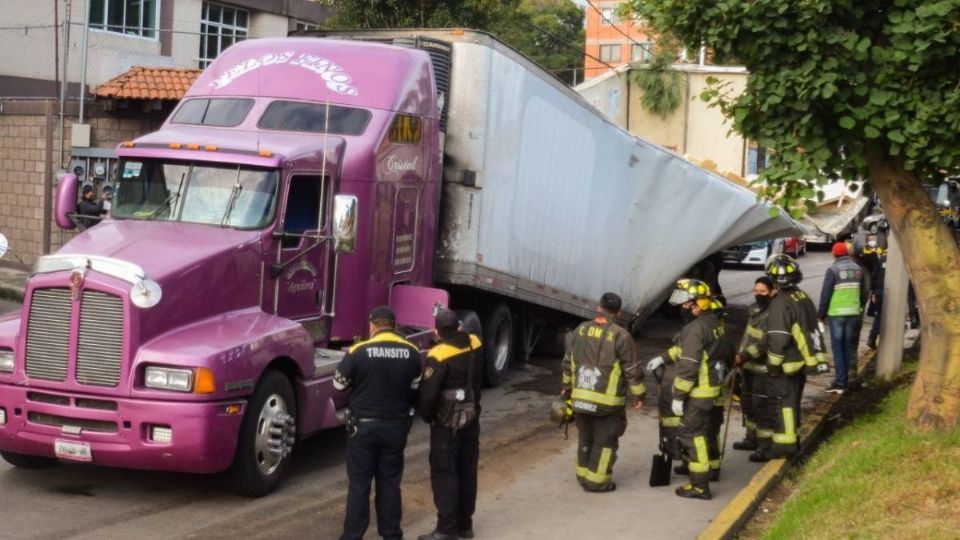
(764,433)
(753,350)
(792,367)
(703,379)
(715,464)
(567,379)
(670,421)
(750,424)
(598,398)
(702,463)
(708,392)
(613,384)
(638,389)
(803,344)
(600,476)
(674,353)
(754,332)
(789,435)
(682,385)
(774,359)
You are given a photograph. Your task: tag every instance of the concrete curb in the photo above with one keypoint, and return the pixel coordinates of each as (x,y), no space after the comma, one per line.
(738,511)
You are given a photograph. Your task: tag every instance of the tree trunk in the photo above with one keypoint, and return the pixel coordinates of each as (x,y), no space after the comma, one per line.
(933,262)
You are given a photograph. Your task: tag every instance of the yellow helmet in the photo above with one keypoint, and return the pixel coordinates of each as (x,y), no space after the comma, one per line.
(561,411)
(691,289)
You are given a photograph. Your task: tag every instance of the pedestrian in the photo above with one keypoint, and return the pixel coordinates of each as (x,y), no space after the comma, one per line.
(599,368)
(106,198)
(450,403)
(752,360)
(382,374)
(876,297)
(842,299)
(90,210)
(697,385)
(794,348)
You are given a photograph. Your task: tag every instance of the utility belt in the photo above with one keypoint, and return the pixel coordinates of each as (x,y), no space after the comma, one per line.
(456,411)
(352,422)
(756,368)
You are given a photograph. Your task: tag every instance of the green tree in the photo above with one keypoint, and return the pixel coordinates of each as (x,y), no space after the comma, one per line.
(854,89)
(550,32)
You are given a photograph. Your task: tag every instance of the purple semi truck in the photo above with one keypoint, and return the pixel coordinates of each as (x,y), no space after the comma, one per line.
(299,183)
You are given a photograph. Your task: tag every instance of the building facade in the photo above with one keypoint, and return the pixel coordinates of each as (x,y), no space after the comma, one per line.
(612,40)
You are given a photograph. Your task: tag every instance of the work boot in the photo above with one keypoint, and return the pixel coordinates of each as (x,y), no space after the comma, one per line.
(690,491)
(681,469)
(714,475)
(602,488)
(835,388)
(465,533)
(746,444)
(437,536)
(758,457)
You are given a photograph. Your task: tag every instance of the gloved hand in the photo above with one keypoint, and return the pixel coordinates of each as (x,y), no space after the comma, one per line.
(652,365)
(774,371)
(677,407)
(823,368)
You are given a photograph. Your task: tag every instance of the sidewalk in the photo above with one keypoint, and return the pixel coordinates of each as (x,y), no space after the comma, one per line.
(13,282)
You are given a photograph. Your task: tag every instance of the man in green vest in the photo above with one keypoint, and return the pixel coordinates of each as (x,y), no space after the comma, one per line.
(842,298)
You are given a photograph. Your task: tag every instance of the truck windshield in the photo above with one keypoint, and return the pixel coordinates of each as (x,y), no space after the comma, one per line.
(229,196)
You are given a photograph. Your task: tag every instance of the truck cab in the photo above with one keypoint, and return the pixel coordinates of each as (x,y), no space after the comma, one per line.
(197,328)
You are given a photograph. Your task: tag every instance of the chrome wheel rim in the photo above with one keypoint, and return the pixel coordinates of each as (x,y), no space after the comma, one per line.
(274,435)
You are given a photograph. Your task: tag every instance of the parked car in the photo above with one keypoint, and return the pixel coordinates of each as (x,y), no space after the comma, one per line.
(753,253)
(873,223)
(795,246)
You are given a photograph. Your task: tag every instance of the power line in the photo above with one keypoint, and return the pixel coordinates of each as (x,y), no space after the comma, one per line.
(565,44)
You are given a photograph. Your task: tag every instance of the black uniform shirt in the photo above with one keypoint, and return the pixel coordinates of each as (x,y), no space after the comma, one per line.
(448,367)
(383,374)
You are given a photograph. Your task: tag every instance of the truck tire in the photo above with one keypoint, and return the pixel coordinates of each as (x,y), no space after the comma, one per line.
(497,344)
(267,435)
(24,461)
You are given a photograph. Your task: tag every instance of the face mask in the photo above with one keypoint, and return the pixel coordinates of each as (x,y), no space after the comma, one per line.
(762,299)
(687,315)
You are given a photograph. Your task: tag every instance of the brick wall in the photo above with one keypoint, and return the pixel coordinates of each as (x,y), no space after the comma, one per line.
(24,164)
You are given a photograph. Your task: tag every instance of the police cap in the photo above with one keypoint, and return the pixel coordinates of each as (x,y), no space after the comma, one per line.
(383,314)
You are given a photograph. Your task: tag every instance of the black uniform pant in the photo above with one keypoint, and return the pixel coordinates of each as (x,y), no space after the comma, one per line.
(783,409)
(669,423)
(598,439)
(375,451)
(756,412)
(697,445)
(453,475)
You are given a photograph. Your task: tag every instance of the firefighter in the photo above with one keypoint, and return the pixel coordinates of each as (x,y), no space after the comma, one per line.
(697,384)
(751,358)
(795,347)
(599,368)
(450,403)
(382,374)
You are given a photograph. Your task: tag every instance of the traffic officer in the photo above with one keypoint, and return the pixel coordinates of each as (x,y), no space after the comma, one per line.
(599,366)
(752,359)
(697,384)
(382,374)
(450,403)
(794,347)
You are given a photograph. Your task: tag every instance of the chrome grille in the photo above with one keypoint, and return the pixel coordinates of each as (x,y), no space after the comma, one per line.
(100,345)
(48,334)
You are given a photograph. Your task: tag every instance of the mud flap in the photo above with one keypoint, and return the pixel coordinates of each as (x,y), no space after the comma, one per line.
(660,470)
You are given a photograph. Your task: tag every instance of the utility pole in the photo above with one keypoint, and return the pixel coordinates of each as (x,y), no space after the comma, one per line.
(895,283)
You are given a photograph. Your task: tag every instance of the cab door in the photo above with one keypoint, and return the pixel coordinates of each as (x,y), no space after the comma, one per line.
(304,253)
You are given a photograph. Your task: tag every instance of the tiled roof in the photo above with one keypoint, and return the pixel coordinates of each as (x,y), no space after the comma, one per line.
(149,83)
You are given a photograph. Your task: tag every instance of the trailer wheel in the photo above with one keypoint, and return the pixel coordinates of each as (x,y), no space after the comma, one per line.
(266,440)
(24,461)
(497,344)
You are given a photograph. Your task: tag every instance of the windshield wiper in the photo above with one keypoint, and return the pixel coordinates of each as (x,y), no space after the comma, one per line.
(234,195)
(169,199)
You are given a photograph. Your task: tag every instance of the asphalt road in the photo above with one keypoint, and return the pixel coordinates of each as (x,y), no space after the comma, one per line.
(524,464)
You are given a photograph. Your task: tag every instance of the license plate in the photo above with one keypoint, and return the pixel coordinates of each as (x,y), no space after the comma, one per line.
(77,451)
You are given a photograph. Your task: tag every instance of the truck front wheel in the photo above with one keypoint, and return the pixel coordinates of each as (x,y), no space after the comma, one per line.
(267,435)
(24,461)
(497,343)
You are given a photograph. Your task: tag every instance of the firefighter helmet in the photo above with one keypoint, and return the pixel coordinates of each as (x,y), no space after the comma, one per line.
(688,290)
(783,270)
(561,411)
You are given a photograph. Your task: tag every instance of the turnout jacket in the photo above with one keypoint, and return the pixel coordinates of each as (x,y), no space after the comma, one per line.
(753,344)
(383,374)
(448,368)
(793,333)
(599,367)
(699,352)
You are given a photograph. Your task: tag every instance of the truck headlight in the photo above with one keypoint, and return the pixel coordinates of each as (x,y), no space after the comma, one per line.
(163,378)
(6,361)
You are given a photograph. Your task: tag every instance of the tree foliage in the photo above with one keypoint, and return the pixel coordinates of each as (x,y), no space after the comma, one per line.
(550,32)
(830,77)
(660,84)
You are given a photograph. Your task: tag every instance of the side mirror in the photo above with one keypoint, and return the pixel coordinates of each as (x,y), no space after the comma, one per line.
(66,201)
(344,223)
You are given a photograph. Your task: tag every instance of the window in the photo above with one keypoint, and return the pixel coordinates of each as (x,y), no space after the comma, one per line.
(220,27)
(641,52)
(312,117)
(610,53)
(608,15)
(756,160)
(130,17)
(303,208)
(305,26)
(213,112)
